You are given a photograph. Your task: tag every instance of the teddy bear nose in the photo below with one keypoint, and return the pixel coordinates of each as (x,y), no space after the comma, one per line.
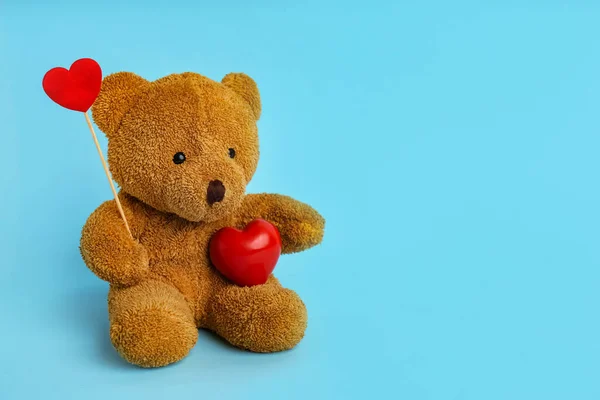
(215,192)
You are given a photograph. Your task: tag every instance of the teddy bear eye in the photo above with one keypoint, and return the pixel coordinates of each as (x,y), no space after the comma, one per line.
(179,158)
(232,152)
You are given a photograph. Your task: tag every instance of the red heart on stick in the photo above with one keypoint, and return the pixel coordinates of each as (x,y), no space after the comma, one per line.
(76,88)
(246,257)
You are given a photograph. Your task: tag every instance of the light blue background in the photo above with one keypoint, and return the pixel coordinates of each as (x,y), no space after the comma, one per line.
(452,147)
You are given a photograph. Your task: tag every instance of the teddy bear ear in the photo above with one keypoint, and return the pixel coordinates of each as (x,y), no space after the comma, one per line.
(244,86)
(116,97)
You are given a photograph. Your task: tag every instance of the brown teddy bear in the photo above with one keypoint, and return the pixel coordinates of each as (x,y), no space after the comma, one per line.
(183,148)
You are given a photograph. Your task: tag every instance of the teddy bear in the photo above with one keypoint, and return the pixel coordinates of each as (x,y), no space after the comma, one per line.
(182,150)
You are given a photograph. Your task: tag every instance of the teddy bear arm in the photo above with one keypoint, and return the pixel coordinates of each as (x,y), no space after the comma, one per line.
(107,248)
(300,226)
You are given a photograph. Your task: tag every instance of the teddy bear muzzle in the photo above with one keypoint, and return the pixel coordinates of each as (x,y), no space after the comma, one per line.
(215,192)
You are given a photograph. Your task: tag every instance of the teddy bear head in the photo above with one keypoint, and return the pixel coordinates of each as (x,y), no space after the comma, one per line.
(183,144)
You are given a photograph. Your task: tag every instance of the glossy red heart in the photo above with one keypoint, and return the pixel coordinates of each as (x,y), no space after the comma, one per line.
(246,257)
(76,88)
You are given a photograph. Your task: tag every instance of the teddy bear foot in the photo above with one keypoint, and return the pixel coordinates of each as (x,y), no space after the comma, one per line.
(151,324)
(265,318)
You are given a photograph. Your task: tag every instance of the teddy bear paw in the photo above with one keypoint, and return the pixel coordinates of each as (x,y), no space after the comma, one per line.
(152,337)
(263,318)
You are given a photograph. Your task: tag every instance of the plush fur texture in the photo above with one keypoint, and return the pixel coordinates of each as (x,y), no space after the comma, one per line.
(163,286)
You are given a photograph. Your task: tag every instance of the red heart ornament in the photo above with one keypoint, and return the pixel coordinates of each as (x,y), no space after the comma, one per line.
(75,88)
(246,257)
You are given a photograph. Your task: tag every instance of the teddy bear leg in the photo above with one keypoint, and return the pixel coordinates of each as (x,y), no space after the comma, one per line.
(151,324)
(264,318)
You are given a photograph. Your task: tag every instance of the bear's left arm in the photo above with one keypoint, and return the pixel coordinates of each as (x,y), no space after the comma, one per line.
(299,225)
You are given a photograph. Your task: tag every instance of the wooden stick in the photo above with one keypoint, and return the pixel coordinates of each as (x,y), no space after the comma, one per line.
(110,181)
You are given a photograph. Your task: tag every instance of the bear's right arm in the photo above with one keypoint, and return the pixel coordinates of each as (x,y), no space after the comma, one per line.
(109,251)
